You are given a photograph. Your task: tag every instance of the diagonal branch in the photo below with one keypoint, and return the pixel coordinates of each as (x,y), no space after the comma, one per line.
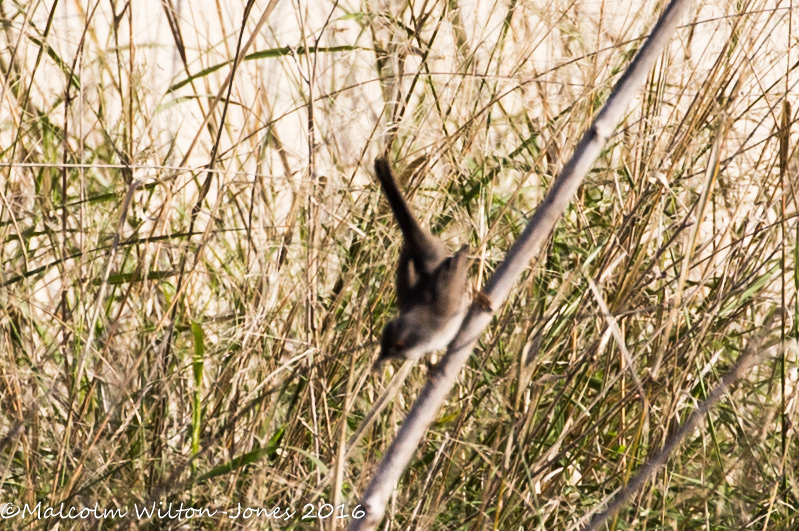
(755,352)
(437,389)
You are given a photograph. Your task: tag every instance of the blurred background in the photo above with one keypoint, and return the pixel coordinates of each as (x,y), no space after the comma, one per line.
(196,260)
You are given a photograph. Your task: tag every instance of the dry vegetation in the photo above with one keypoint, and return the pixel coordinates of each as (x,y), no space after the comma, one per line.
(191,287)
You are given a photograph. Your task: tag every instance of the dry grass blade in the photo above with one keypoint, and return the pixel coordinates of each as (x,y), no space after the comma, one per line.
(195,263)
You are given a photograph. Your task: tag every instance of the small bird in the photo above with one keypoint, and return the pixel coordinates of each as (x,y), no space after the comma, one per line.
(431,284)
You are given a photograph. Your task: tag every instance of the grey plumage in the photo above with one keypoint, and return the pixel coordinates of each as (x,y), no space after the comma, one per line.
(431,284)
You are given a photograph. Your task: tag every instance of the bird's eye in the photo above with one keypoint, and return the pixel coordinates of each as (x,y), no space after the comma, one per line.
(399,345)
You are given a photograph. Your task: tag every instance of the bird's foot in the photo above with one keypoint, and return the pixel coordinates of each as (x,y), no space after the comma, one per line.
(484,301)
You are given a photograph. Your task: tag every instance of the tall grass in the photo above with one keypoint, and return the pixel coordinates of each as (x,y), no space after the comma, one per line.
(191,292)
